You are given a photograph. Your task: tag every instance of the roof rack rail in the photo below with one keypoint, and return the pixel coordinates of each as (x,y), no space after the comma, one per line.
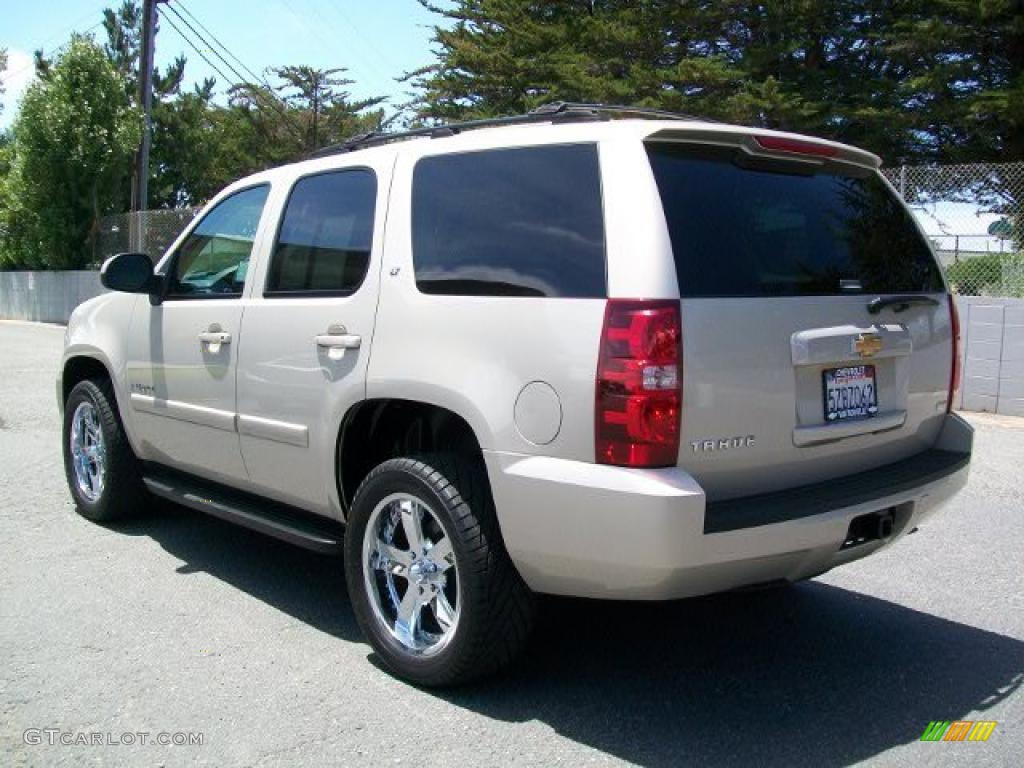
(617,109)
(555,111)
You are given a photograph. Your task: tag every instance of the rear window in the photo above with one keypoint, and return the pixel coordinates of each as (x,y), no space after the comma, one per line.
(738,230)
(323,246)
(510,222)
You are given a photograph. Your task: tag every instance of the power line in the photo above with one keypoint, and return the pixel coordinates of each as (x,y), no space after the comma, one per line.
(360,38)
(239,76)
(277,99)
(315,30)
(255,77)
(222,46)
(271,99)
(329,21)
(195,48)
(217,70)
(286,4)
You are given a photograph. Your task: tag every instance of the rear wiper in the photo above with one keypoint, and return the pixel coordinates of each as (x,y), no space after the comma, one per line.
(901,302)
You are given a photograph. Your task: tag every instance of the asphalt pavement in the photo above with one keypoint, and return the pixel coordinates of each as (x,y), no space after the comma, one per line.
(179,626)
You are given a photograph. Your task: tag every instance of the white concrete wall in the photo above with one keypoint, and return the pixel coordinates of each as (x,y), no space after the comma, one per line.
(993,354)
(992,351)
(46,297)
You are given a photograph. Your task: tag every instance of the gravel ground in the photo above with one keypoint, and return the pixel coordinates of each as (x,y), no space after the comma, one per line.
(180,623)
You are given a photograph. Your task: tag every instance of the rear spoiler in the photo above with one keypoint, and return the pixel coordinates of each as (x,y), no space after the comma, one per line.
(770,144)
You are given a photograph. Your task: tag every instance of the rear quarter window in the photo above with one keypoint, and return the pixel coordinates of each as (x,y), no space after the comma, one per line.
(739,229)
(510,222)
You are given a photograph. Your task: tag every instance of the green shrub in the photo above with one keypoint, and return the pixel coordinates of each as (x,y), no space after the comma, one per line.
(994,274)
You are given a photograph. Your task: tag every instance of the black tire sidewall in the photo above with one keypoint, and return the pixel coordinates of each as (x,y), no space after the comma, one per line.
(104,507)
(397,476)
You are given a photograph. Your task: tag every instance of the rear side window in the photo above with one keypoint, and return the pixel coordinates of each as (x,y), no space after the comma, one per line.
(510,222)
(740,230)
(323,246)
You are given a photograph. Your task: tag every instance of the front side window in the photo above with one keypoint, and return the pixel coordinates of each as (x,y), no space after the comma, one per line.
(214,259)
(510,222)
(323,246)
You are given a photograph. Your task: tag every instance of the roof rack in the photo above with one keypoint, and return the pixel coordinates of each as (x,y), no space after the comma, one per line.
(555,111)
(617,110)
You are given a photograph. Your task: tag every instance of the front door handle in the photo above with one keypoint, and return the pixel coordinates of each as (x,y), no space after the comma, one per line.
(215,338)
(334,340)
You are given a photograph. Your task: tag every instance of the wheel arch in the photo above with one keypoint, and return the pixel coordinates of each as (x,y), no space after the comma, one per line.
(80,366)
(378,429)
(82,362)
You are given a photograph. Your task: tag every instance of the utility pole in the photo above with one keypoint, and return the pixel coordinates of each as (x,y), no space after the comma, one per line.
(140,189)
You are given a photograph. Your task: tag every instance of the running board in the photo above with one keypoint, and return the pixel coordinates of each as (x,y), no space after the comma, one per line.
(247,510)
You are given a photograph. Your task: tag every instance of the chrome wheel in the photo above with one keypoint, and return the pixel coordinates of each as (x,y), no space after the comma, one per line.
(88,453)
(410,574)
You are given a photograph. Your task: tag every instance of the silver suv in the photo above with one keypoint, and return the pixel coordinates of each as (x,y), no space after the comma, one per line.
(636,358)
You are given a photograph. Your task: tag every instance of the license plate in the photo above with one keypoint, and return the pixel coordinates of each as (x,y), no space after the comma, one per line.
(850,393)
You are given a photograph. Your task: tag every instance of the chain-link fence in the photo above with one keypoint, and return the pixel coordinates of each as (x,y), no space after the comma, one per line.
(149,232)
(973,216)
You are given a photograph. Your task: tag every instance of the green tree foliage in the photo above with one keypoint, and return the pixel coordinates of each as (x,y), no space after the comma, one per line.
(327,110)
(74,139)
(3,68)
(123,27)
(201,144)
(304,110)
(185,148)
(994,274)
(914,80)
(70,161)
(5,157)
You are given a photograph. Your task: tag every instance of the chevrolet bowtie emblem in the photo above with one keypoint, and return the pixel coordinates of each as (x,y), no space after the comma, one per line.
(867,344)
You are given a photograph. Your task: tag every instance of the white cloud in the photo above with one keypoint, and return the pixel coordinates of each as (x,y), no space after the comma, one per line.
(16,79)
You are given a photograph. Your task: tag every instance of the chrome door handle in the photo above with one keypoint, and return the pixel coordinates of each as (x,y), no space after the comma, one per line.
(339,340)
(215,337)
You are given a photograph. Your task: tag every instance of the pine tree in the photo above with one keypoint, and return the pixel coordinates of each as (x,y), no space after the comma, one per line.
(915,80)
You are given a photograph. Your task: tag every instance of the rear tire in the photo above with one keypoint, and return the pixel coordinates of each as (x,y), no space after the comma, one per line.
(431,584)
(101,469)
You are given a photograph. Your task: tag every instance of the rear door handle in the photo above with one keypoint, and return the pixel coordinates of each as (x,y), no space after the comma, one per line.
(215,339)
(337,337)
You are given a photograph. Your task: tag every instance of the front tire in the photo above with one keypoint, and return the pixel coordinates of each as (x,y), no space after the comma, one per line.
(432,586)
(101,469)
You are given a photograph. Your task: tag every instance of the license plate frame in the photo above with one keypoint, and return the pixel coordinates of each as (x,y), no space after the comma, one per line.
(856,388)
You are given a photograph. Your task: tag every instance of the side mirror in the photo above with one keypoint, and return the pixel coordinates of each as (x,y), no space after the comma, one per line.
(128,273)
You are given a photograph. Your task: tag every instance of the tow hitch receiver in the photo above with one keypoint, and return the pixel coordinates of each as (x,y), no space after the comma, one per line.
(875,526)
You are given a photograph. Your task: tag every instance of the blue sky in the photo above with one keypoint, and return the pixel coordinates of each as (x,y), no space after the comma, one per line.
(377,40)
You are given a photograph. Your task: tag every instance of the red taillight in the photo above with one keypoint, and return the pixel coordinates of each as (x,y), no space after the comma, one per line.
(639,384)
(783,144)
(955,372)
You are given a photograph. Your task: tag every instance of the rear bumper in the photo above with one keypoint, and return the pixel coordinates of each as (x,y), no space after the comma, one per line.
(575,528)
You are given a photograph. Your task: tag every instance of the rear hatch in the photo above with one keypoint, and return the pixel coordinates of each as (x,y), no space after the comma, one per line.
(817,335)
